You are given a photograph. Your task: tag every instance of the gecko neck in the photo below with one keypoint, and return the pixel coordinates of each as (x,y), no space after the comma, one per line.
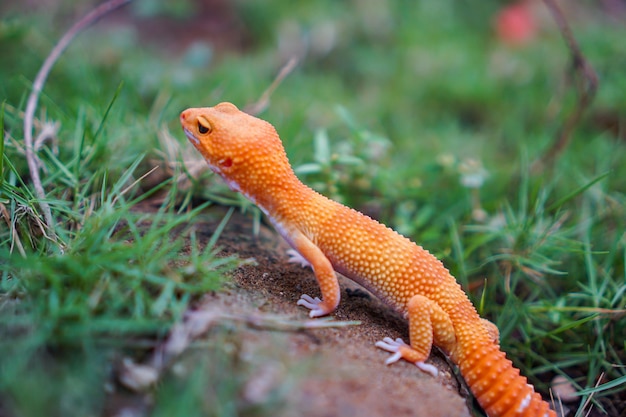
(279,195)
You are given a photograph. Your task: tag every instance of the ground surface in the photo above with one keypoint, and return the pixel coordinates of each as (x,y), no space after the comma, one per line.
(333,372)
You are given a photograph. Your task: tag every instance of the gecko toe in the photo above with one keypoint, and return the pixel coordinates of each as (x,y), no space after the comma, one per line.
(429,369)
(296,258)
(313,304)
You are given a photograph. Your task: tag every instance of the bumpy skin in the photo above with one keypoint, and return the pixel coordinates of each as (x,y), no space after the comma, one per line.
(249,155)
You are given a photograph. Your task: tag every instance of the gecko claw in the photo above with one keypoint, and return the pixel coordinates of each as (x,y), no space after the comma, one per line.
(393,358)
(312,304)
(429,369)
(308,301)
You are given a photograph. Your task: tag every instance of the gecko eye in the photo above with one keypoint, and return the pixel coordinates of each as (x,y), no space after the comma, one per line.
(203,129)
(204,126)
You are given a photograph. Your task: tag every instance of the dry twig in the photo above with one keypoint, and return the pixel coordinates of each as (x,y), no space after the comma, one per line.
(263,101)
(31,105)
(586,81)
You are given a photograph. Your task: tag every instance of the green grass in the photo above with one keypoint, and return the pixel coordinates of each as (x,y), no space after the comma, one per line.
(394,115)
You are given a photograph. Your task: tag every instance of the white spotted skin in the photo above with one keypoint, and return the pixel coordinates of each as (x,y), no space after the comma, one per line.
(375,256)
(525,402)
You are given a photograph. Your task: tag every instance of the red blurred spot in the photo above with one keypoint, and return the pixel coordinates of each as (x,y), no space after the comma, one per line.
(515,24)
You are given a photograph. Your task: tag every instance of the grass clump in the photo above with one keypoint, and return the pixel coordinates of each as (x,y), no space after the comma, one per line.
(121,279)
(109,278)
(122,273)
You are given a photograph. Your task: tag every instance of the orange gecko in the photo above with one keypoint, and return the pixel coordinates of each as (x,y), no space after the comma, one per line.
(248,153)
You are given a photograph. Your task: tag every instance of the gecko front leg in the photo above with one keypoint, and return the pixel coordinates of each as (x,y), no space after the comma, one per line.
(324,274)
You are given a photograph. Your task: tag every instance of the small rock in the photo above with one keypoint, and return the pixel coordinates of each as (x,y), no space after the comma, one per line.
(563,389)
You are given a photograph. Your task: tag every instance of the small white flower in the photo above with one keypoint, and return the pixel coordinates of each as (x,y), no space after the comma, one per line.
(473,174)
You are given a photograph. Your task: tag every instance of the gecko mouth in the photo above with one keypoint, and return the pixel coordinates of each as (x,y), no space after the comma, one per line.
(191,137)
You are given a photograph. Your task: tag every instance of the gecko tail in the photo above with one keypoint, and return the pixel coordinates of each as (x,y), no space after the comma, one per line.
(498,386)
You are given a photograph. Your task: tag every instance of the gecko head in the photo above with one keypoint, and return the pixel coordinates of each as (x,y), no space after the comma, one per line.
(236,145)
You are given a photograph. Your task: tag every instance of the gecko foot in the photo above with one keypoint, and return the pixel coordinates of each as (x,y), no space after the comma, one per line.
(313,304)
(392,346)
(296,258)
(396,347)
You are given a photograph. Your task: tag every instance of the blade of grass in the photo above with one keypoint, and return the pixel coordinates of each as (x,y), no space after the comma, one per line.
(80,126)
(606,386)
(2,143)
(220,228)
(117,191)
(560,202)
(107,111)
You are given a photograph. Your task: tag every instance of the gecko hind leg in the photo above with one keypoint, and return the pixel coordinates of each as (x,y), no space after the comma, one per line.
(492,330)
(428,323)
